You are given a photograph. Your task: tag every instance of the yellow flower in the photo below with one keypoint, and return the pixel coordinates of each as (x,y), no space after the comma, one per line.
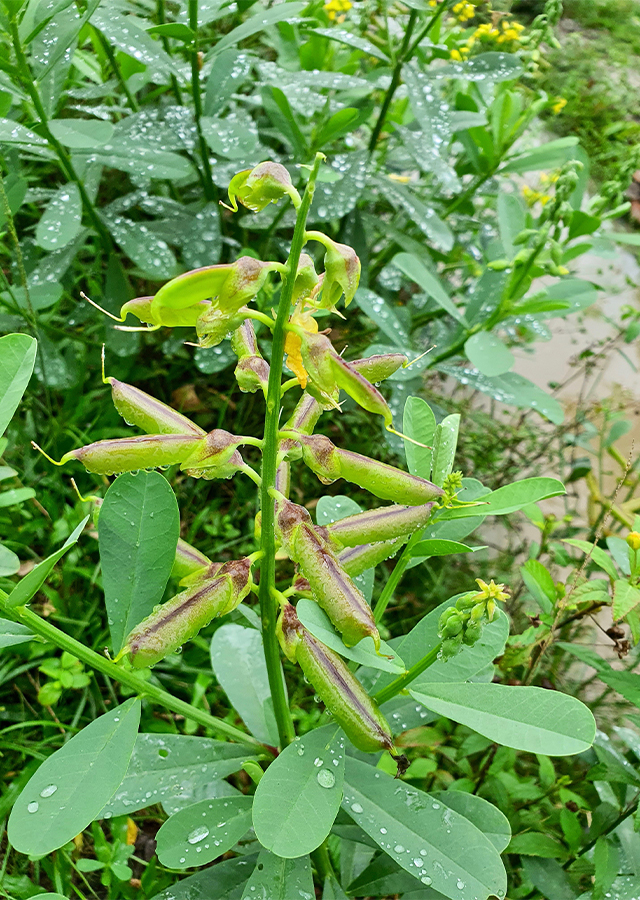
(333,7)
(401,179)
(491,591)
(559,105)
(455,54)
(293,345)
(633,540)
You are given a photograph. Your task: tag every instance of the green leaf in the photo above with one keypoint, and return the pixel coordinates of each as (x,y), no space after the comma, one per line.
(124,33)
(508,499)
(318,623)
(331,509)
(484,815)
(138,533)
(203,240)
(81,134)
(127,154)
(29,586)
(489,67)
(13,133)
(549,877)
(539,583)
(237,659)
(532,843)
(606,860)
(469,661)
(415,269)
(332,890)
(525,718)
(619,549)
(599,556)
(444,448)
(431,225)
(342,36)
(488,354)
(70,788)
(200,833)
(625,598)
(61,220)
(511,221)
(346,178)
(307,776)
(13,633)
(9,562)
(436,845)
(142,246)
(276,878)
(383,315)
(230,68)
(340,123)
(15,496)
(171,765)
(419,423)
(177,30)
(263,18)
(223,881)
(625,683)
(234,137)
(510,388)
(548,156)
(435,547)
(572,294)
(17,358)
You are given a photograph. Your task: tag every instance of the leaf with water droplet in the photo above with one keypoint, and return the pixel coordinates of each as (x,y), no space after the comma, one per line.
(200,833)
(481,813)
(60,222)
(296,784)
(275,878)
(137,551)
(384,316)
(454,848)
(81,134)
(142,246)
(86,772)
(170,766)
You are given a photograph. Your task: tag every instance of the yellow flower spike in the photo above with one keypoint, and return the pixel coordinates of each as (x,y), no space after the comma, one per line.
(455,54)
(334,7)
(559,105)
(293,345)
(491,591)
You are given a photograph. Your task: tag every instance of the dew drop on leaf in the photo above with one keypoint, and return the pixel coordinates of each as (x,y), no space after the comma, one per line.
(49,790)
(33,806)
(356,808)
(326,778)
(198,834)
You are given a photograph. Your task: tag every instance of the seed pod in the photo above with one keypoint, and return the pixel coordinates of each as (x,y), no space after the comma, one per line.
(330,463)
(356,560)
(258,187)
(148,451)
(201,575)
(188,560)
(338,688)
(381,524)
(252,371)
(379,367)
(210,472)
(215,325)
(331,587)
(178,620)
(142,308)
(141,409)
(360,389)
(194,287)
(215,449)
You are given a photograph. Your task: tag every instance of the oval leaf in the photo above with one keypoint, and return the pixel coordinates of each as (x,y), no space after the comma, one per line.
(17,358)
(436,845)
(508,499)
(138,534)
(276,878)
(70,788)
(299,796)
(525,718)
(198,834)
(484,815)
(60,222)
(488,354)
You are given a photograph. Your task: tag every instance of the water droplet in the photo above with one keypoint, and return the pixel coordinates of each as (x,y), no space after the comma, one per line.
(425,880)
(460,884)
(356,808)
(49,790)
(198,834)
(33,806)
(383,831)
(317,762)
(182,859)
(417,863)
(326,779)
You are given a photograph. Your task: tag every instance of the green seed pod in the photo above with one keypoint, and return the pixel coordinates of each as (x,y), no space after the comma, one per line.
(379,367)
(148,451)
(142,309)
(214,450)
(350,380)
(338,688)
(381,524)
(201,575)
(356,560)
(211,472)
(258,187)
(188,560)
(194,287)
(472,633)
(141,409)
(216,325)
(467,600)
(180,619)
(330,463)
(331,587)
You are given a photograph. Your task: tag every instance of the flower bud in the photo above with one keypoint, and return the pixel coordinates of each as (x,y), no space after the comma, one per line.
(188,560)
(330,463)
(258,187)
(341,274)
(252,371)
(180,619)
(151,415)
(338,688)
(381,524)
(306,279)
(330,585)
(633,540)
(151,451)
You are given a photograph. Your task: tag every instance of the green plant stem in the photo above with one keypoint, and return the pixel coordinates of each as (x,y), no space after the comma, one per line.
(402,681)
(394,579)
(322,861)
(131,679)
(207,181)
(268,603)
(29,84)
(167,46)
(395,81)
(108,51)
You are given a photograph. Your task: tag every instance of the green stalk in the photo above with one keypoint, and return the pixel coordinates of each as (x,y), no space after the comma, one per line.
(207,181)
(160,11)
(402,681)
(394,579)
(28,82)
(131,679)
(268,603)
(395,81)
